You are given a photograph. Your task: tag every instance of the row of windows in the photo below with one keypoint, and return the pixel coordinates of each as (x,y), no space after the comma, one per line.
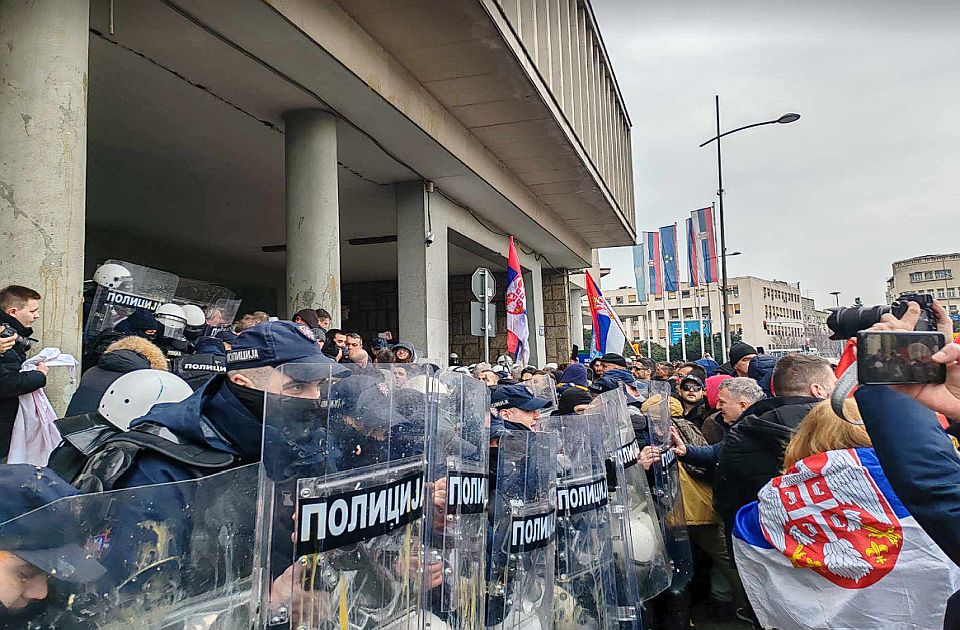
(936,274)
(941,293)
(777,294)
(771,312)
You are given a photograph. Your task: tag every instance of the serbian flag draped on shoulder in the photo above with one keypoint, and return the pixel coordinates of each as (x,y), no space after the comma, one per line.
(518,335)
(829,545)
(608,335)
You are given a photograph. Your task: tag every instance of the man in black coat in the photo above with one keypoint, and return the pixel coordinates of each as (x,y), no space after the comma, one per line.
(752,452)
(19,308)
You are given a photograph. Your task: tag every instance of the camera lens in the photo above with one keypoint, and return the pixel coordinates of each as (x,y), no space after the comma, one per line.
(846,322)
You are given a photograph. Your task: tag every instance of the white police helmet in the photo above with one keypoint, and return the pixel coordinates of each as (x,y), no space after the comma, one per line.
(135,393)
(171,315)
(112,275)
(194,315)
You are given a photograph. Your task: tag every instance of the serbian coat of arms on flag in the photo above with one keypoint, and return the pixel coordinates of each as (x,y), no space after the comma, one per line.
(829,545)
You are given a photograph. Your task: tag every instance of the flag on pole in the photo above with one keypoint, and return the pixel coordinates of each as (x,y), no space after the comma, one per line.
(702,238)
(640,270)
(671,266)
(608,335)
(654,258)
(518,335)
(829,545)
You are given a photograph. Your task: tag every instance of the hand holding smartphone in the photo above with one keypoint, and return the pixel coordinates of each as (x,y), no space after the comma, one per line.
(887,357)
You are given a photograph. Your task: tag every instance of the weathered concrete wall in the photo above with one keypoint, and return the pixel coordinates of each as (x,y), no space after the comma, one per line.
(43,160)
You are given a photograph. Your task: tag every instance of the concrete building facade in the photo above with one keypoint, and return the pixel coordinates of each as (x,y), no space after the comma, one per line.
(363,157)
(934,274)
(768,313)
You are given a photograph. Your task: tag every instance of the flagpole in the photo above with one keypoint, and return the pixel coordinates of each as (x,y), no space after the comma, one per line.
(646,328)
(700,320)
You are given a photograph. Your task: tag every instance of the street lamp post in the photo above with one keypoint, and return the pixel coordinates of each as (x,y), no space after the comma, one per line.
(724,339)
(836,294)
(783,120)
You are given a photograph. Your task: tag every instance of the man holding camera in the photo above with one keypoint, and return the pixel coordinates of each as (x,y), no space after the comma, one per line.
(19,309)
(918,457)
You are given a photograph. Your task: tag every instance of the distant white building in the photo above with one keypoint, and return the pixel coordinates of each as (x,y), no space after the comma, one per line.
(934,274)
(768,313)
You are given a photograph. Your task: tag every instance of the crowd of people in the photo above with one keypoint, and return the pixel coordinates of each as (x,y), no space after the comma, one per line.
(795,514)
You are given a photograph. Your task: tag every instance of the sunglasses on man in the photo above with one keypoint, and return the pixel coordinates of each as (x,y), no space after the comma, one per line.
(691,388)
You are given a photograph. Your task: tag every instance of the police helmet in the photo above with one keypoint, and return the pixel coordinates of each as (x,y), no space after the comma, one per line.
(194,315)
(112,275)
(135,393)
(644,540)
(172,316)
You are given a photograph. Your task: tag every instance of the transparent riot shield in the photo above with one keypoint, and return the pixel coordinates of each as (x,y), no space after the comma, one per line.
(522,548)
(457,491)
(543,386)
(219,304)
(141,289)
(164,557)
(640,552)
(585,592)
(666,473)
(341,497)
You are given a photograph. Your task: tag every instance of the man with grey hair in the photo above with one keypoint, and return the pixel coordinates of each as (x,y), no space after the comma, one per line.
(753,449)
(735,396)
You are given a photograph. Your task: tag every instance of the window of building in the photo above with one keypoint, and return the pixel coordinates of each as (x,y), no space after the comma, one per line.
(619,299)
(941,294)
(736,308)
(953,309)
(686,294)
(951,292)
(735,291)
(632,299)
(943,274)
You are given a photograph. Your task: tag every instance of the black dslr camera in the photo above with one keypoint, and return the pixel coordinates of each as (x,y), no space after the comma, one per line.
(846,322)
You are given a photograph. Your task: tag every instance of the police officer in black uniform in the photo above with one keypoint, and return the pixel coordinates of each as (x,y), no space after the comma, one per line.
(208,359)
(220,426)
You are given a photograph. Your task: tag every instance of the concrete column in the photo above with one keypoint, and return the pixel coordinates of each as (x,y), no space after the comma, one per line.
(43,165)
(422,275)
(533,285)
(313,212)
(576,316)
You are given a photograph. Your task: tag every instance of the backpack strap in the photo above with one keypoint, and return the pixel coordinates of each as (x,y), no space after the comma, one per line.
(115,456)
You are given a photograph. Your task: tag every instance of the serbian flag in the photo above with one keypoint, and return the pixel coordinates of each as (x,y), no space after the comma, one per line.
(703,255)
(518,335)
(829,545)
(654,259)
(608,335)
(671,266)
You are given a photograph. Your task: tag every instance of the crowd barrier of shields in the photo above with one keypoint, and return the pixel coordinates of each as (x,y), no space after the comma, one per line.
(375,507)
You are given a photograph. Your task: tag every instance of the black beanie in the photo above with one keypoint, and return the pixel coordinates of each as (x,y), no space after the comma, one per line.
(740,350)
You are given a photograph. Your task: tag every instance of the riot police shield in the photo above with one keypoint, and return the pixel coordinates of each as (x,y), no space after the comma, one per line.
(585,592)
(457,490)
(522,551)
(643,565)
(341,498)
(219,304)
(543,386)
(666,473)
(171,556)
(133,288)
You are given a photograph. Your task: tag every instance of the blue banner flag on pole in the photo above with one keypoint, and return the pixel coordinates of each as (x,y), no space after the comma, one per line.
(671,265)
(640,265)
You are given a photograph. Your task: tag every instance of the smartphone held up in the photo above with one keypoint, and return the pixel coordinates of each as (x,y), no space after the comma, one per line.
(899,357)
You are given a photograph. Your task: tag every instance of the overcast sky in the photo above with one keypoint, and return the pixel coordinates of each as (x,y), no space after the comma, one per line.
(865,177)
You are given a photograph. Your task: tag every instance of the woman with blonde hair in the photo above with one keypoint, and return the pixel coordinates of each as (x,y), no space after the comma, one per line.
(829,544)
(122,356)
(822,430)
